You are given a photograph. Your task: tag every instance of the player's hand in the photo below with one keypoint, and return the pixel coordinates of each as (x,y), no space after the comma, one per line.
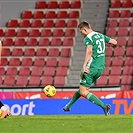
(86,70)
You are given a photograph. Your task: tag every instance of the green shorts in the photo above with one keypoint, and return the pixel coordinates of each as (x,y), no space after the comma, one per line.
(88,78)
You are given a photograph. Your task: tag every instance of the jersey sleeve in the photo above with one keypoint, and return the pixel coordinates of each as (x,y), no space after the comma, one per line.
(106,38)
(87,42)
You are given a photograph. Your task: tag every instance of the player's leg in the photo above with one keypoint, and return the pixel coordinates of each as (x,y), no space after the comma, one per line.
(85,84)
(75,97)
(5,111)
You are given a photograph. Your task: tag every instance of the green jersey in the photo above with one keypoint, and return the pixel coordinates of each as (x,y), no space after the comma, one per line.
(97,40)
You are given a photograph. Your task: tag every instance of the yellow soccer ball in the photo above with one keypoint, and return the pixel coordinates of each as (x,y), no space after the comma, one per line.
(49,91)
(0,112)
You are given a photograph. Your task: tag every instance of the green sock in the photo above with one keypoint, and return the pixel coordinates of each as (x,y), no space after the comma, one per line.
(75,97)
(92,98)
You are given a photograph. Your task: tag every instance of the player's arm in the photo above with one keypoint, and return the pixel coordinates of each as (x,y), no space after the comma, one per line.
(87,58)
(0,50)
(113,41)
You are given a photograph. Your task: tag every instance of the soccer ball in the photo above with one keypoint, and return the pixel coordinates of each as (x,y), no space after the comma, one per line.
(49,91)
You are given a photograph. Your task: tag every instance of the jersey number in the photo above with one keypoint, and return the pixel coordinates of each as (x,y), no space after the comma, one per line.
(101,46)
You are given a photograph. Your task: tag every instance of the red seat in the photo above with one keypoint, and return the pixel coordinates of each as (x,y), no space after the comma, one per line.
(126,80)
(122,31)
(114,14)
(127,3)
(34,81)
(7,41)
(115,3)
(48,23)
(119,51)
(12,71)
(19,42)
(9,81)
(14,62)
(53,52)
(36,71)
(121,41)
(65,52)
(26,62)
(34,32)
(72,23)
(41,52)
(125,14)
(50,14)
(51,62)
(29,52)
(21,81)
(39,62)
(36,23)
(43,41)
(132,23)
(117,61)
(124,23)
(127,70)
(131,32)
(64,4)
(4,62)
(109,51)
(12,23)
(38,15)
(41,5)
(58,33)
(5,52)
(31,41)
(22,33)
(125,87)
(112,23)
(49,71)
(59,81)
(61,71)
(130,41)
(1,32)
(2,71)
(63,62)
(17,52)
(70,33)
(75,4)
(62,14)
(24,71)
(115,70)
(73,14)
(129,51)
(108,61)
(60,23)
(24,23)
(56,42)
(106,71)
(26,15)
(103,80)
(128,61)
(46,33)
(10,32)
(68,41)
(1,81)
(114,80)
(47,80)
(52,4)
(111,32)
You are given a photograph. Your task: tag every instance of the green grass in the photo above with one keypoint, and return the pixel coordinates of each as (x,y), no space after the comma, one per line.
(68,124)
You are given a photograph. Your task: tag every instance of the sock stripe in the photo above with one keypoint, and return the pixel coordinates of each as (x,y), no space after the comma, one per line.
(88,95)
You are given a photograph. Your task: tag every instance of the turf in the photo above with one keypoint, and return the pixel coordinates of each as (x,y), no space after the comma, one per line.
(68,124)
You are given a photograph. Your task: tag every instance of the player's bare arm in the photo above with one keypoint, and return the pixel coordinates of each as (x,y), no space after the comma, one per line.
(87,58)
(113,42)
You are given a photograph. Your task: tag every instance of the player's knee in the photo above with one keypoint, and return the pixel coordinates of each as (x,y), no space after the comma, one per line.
(84,92)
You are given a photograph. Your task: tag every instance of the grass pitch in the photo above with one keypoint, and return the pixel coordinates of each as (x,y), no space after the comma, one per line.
(67,124)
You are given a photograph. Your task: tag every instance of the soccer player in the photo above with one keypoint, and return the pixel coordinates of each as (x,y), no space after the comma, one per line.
(3,109)
(93,66)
